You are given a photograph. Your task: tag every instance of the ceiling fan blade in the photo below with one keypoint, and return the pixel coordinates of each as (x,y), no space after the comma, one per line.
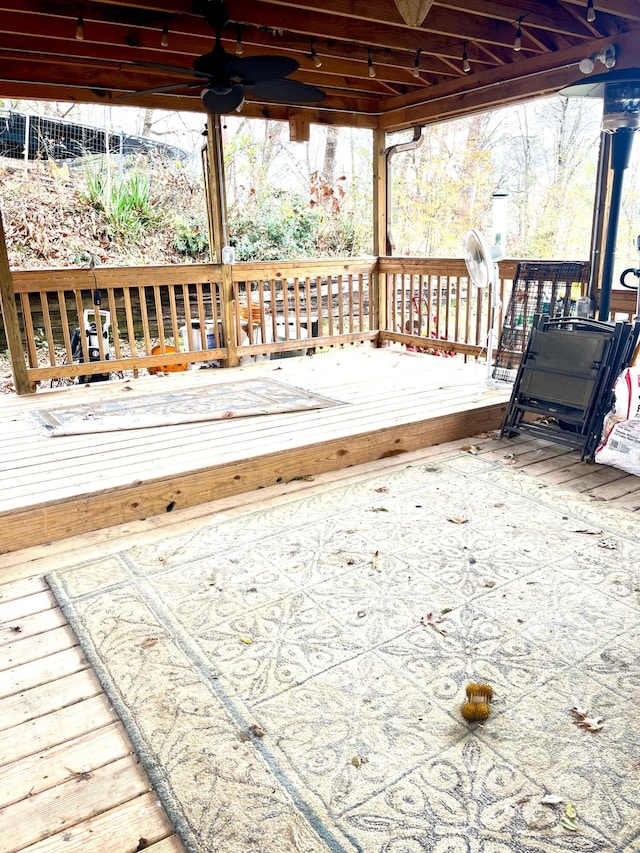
(261,68)
(289,91)
(157,90)
(221,103)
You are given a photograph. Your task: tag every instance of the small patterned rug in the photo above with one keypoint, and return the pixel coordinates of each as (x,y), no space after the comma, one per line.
(292,677)
(250,397)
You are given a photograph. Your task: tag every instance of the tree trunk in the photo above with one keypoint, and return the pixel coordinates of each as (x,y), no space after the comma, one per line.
(329,164)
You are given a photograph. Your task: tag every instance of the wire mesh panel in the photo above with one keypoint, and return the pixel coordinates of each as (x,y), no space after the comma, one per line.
(538,288)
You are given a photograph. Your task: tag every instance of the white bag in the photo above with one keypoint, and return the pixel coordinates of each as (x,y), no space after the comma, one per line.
(627,394)
(621,445)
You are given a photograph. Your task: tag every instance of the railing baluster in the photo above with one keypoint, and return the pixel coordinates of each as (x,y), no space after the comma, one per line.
(115,333)
(64,326)
(131,333)
(142,296)
(46,317)
(159,317)
(173,318)
(296,302)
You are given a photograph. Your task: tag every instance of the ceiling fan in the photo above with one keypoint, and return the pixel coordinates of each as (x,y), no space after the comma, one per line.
(227,79)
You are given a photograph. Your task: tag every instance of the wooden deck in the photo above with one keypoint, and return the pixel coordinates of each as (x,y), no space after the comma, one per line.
(52,488)
(70,780)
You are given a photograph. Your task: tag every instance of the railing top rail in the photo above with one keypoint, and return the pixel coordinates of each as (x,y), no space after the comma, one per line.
(71,278)
(252,270)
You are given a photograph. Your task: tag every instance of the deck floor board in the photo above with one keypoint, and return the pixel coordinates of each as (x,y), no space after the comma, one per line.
(393,401)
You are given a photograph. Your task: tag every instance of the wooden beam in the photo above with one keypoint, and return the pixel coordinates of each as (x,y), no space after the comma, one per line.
(11,323)
(379,223)
(299,126)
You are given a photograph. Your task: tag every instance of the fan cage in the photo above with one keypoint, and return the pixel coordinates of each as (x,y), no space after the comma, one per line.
(538,288)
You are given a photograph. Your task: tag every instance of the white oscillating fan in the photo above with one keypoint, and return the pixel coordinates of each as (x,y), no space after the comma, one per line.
(482,266)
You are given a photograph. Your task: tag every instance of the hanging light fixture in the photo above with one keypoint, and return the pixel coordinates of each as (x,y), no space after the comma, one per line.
(80,25)
(517,45)
(314,56)
(416,65)
(466,65)
(164,39)
(372,70)
(239,48)
(591,12)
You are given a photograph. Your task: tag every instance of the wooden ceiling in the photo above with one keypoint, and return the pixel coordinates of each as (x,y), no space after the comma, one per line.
(117,59)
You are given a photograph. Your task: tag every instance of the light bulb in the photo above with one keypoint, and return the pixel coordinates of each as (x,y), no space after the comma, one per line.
(239,48)
(314,56)
(164,40)
(466,65)
(586,65)
(416,65)
(372,70)
(80,28)
(591,12)
(517,45)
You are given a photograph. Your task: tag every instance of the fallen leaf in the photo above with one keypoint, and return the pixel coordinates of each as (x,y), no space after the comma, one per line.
(150,641)
(458,520)
(570,810)
(588,532)
(433,621)
(473,449)
(551,800)
(246,640)
(577,711)
(569,824)
(374,562)
(608,544)
(379,509)
(356,761)
(257,730)
(382,489)
(591,724)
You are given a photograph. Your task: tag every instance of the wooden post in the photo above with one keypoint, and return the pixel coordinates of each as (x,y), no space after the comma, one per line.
(216,195)
(11,323)
(299,127)
(217,204)
(229,316)
(379,290)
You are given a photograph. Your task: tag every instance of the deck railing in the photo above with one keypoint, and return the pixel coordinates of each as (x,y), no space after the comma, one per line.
(433,298)
(173,317)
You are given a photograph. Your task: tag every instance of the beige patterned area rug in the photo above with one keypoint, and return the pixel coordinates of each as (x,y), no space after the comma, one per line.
(292,677)
(250,397)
